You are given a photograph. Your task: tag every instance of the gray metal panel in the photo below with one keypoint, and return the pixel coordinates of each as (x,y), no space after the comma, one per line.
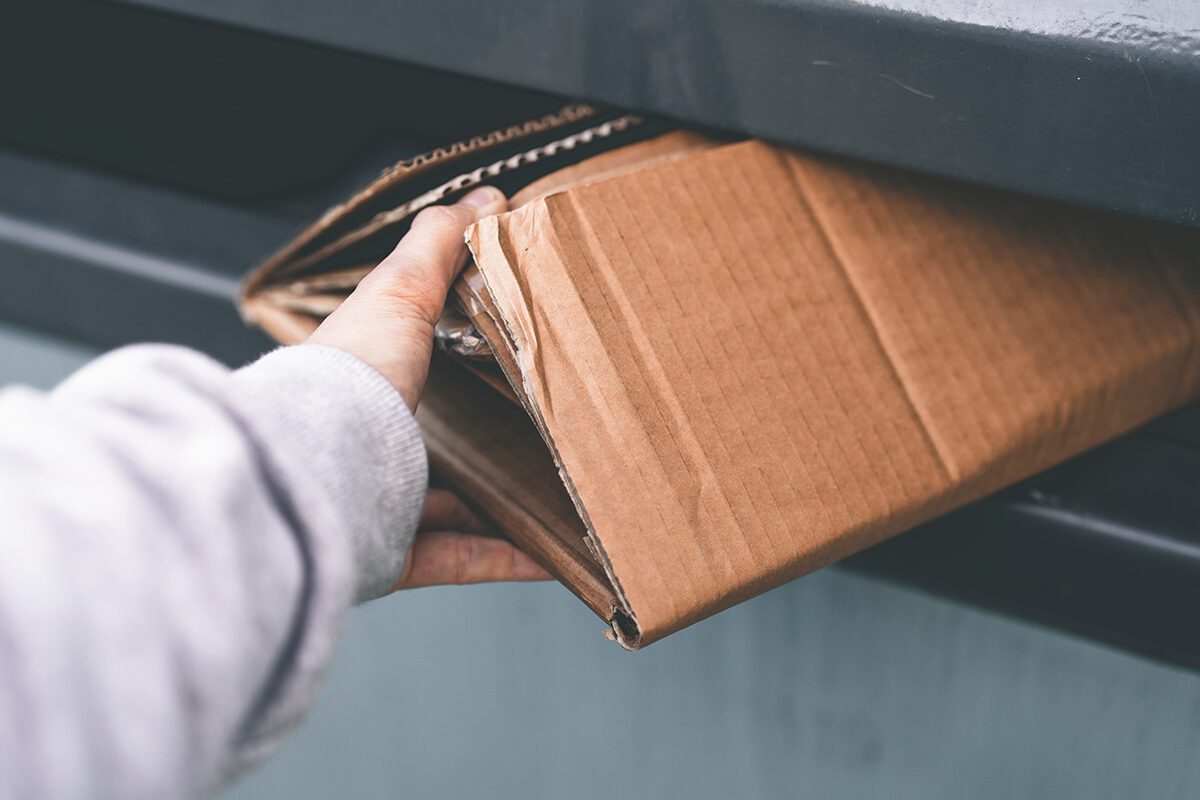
(830,687)
(1096,102)
(108,261)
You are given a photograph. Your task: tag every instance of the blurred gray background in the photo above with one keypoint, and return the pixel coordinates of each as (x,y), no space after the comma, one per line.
(833,686)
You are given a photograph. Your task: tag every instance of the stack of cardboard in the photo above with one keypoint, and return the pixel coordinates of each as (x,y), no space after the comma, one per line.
(721,366)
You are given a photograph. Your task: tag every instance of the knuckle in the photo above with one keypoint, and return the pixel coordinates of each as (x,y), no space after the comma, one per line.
(411,299)
(441,217)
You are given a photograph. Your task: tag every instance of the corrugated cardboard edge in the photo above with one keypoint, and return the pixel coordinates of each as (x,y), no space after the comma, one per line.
(279,262)
(283,325)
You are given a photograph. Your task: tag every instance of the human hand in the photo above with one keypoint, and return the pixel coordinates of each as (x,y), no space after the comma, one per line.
(453,546)
(388,321)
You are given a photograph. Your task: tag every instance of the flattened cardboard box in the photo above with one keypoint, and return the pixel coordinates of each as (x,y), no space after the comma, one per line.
(738,364)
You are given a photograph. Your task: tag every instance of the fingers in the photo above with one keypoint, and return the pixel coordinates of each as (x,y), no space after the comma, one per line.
(388,320)
(445,511)
(440,559)
(452,548)
(416,277)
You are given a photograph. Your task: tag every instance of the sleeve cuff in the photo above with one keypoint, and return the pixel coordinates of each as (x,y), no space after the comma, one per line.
(361,446)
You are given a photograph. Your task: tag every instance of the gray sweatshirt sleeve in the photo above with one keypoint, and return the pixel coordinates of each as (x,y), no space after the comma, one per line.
(178,547)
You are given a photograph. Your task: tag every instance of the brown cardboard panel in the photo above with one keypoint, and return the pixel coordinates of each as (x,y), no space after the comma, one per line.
(286,326)
(490,375)
(487,447)
(751,363)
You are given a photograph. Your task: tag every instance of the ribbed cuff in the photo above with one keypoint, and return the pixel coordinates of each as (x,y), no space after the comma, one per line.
(360,443)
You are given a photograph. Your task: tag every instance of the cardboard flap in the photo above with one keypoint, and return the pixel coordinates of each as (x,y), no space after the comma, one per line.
(751,363)
(488,448)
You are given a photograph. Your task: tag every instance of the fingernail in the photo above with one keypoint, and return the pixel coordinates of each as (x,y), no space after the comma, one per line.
(483,197)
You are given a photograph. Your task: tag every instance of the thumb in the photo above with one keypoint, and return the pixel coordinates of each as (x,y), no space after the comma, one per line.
(417,275)
(388,321)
